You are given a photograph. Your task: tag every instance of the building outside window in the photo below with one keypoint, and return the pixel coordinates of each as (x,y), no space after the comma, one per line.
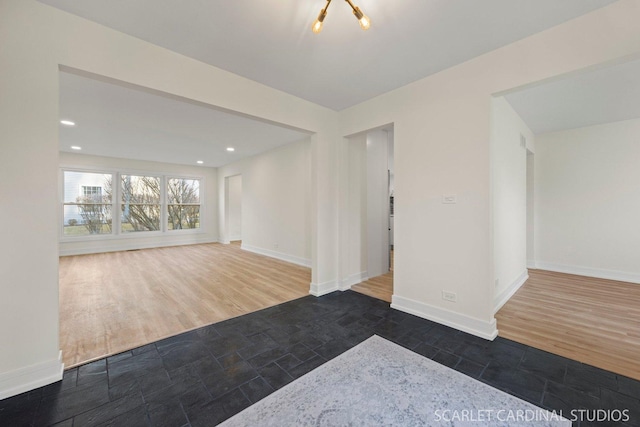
(87,209)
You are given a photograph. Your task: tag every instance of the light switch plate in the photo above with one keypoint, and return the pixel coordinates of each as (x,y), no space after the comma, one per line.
(449,296)
(449,199)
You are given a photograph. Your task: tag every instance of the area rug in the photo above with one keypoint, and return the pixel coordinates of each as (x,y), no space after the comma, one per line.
(381,383)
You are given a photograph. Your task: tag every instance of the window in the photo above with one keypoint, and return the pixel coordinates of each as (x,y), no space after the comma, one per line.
(99,203)
(140,203)
(183,203)
(88,191)
(87,210)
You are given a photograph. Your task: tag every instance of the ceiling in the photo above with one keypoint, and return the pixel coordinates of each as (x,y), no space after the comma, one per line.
(271,41)
(116,121)
(600,96)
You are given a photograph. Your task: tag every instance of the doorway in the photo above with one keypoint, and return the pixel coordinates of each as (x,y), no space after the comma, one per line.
(371,165)
(530,209)
(233,191)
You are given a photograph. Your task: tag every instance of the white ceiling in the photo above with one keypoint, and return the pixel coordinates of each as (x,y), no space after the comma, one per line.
(604,95)
(116,121)
(271,41)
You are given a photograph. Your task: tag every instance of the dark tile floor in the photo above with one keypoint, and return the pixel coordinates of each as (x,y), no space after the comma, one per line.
(201,378)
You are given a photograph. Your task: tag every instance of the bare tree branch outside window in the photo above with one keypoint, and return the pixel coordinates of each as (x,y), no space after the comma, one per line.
(139,207)
(140,203)
(183,203)
(95,209)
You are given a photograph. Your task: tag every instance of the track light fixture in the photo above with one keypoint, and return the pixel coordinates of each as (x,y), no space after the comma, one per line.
(363,19)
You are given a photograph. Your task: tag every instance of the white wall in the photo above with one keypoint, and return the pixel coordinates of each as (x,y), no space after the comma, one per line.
(234,208)
(531,203)
(377,203)
(509,198)
(207,233)
(442,137)
(391,185)
(353,210)
(36,41)
(588,201)
(275,202)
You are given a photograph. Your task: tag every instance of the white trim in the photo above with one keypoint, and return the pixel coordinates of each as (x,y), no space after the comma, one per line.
(600,273)
(354,279)
(320,289)
(120,245)
(277,255)
(508,292)
(235,238)
(31,377)
(531,264)
(481,328)
(123,236)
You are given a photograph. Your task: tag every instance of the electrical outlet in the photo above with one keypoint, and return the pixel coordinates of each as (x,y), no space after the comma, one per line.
(449,296)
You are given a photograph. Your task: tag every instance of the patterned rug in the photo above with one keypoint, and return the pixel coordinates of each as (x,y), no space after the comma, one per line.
(381,383)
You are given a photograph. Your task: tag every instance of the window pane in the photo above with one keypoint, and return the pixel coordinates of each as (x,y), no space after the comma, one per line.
(86,219)
(185,191)
(87,198)
(183,198)
(140,203)
(91,191)
(182,217)
(140,189)
(138,217)
(87,187)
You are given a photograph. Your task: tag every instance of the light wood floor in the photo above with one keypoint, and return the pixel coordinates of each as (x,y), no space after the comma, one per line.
(593,321)
(117,301)
(380,287)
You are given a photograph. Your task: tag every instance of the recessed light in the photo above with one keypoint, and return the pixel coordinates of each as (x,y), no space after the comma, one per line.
(67,122)
(231,149)
(75,147)
(199,162)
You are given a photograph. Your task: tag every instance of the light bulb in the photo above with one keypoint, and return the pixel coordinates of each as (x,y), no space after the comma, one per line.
(363,19)
(317,26)
(365,22)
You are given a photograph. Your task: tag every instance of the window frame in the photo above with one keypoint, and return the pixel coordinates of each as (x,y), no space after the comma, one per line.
(63,203)
(167,204)
(120,204)
(116,204)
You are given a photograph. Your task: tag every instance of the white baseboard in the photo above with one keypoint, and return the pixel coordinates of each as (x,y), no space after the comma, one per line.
(531,263)
(621,276)
(278,255)
(353,279)
(319,289)
(235,238)
(31,377)
(471,325)
(508,292)
(128,244)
